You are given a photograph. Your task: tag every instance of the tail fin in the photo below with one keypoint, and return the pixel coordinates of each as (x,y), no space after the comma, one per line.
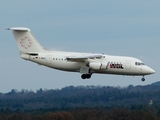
(25,40)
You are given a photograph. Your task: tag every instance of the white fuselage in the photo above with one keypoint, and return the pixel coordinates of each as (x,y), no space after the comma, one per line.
(119,65)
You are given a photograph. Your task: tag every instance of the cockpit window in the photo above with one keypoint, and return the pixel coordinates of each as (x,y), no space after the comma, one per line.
(139,63)
(142,63)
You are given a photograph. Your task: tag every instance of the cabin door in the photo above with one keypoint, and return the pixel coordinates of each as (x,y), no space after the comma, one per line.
(48,59)
(128,64)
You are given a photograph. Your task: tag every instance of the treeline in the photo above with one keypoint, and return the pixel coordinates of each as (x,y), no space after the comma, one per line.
(83,103)
(83,96)
(84,114)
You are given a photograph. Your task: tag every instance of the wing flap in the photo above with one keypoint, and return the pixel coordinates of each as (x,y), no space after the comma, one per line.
(83,57)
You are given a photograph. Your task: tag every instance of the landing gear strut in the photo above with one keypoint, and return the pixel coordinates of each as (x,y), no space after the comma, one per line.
(143,79)
(84,76)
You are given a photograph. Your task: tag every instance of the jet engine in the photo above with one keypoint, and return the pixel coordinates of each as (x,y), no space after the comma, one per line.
(98,66)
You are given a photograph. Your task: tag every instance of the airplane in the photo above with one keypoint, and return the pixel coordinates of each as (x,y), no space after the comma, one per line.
(84,63)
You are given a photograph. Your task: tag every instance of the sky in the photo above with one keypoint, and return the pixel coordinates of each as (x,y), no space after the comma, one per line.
(113,27)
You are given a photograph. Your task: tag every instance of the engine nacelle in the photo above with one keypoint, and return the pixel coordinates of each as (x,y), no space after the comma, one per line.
(98,66)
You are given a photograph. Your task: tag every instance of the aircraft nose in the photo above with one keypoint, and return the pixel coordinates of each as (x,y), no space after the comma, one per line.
(152,71)
(148,70)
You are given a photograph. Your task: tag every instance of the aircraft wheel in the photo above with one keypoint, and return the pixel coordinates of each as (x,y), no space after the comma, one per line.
(88,76)
(83,76)
(143,79)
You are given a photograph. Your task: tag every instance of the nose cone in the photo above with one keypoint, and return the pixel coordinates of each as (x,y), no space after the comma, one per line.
(147,70)
(152,71)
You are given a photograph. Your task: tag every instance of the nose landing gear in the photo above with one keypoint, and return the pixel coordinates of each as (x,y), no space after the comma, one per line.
(143,79)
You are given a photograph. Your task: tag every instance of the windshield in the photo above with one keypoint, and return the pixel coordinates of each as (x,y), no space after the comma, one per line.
(139,63)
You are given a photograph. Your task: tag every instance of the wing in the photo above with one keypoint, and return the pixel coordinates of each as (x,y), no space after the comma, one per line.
(83,57)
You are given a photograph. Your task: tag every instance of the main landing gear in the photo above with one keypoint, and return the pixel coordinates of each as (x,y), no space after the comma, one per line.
(143,79)
(84,76)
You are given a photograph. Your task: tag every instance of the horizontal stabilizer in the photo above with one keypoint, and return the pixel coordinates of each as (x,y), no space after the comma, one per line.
(19,29)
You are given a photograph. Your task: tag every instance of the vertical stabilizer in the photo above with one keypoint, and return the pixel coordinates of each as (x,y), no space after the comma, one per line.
(25,40)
